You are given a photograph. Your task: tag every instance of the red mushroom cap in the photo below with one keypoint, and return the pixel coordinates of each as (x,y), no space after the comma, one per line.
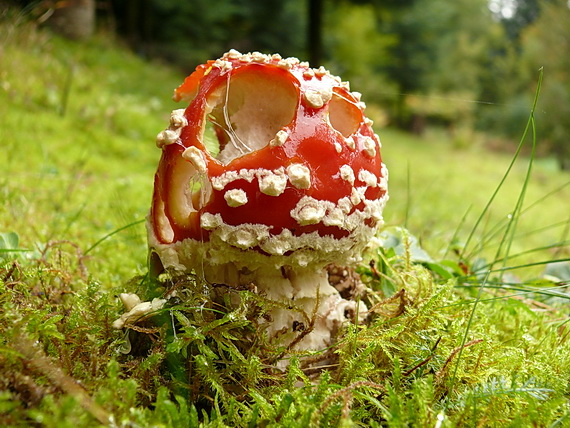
(294,174)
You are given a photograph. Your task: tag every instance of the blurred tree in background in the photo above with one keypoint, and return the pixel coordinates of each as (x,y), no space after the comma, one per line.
(421,63)
(76,20)
(546,43)
(188,33)
(524,14)
(445,44)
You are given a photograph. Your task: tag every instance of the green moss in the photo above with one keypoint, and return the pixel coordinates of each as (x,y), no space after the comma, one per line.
(205,360)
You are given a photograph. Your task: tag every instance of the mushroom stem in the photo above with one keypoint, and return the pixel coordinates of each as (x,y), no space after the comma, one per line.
(307,311)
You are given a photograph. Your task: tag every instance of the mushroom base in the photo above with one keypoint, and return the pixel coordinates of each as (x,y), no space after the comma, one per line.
(307,312)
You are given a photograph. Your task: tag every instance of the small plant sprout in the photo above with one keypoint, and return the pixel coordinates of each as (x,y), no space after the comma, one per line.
(269,175)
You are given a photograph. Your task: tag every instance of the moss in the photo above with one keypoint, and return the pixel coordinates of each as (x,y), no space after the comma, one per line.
(203,358)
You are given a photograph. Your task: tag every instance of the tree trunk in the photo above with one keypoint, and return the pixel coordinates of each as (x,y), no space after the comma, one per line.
(74,19)
(314,32)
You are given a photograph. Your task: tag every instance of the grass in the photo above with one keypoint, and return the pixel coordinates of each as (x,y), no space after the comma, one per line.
(451,341)
(437,185)
(77,133)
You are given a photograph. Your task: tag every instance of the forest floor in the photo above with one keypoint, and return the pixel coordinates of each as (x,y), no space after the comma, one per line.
(481,339)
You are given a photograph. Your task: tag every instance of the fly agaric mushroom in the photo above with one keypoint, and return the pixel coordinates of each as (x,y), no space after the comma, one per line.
(293,182)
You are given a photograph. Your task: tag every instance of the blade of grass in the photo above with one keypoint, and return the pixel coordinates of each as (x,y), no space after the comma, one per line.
(540,263)
(487,243)
(555,245)
(564,237)
(456,231)
(408,195)
(546,291)
(506,296)
(114,232)
(514,219)
(530,124)
(496,230)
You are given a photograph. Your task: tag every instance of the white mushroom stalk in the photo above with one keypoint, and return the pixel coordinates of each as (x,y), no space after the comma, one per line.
(293,181)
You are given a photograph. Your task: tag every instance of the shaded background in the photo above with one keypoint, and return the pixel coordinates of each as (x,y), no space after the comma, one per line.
(421,63)
(412,58)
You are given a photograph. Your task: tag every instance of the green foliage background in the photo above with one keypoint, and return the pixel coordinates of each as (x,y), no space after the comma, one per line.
(402,54)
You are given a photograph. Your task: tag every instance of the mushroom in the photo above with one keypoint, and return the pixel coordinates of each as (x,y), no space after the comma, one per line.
(137,310)
(270,174)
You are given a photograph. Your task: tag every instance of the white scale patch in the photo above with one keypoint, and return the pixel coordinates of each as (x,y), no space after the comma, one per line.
(259,57)
(309,74)
(344,205)
(384,180)
(245,236)
(166,137)
(368,178)
(357,195)
(235,198)
(232,54)
(272,183)
(195,156)
(299,176)
(369,146)
(310,211)
(288,63)
(210,221)
(177,119)
(321,71)
(279,139)
(334,217)
(347,174)
(373,208)
(223,65)
(318,97)
(228,177)
(171,134)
